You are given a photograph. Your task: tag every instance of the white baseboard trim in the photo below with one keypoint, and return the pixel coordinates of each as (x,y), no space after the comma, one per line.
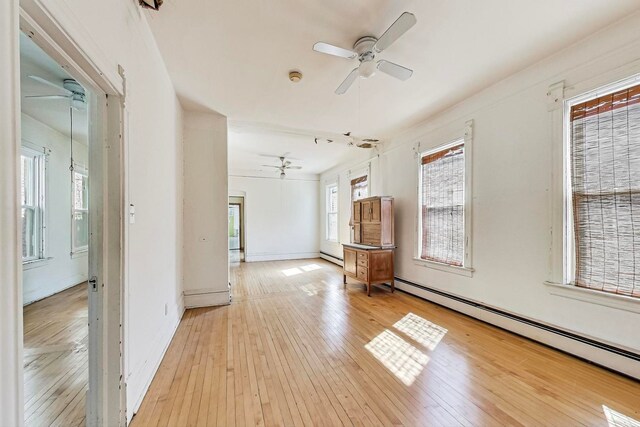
(280,257)
(78,280)
(329,258)
(151,369)
(206,298)
(601,356)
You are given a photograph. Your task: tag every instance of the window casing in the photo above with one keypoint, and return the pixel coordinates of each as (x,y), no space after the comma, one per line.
(32,199)
(332,213)
(442,236)
(602,168)
(80,210)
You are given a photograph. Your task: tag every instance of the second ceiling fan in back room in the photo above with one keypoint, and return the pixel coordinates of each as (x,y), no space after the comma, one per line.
(286,164)
(365,50)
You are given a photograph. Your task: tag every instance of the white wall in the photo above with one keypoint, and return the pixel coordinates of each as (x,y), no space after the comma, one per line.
(512,184)
(60,270)
(114,35)
(281,216)
(206,244)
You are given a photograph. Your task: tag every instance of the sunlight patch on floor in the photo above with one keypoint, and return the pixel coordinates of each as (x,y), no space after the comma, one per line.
(291,271)
(421,330)
(311,267)
(398,356)
(616,419)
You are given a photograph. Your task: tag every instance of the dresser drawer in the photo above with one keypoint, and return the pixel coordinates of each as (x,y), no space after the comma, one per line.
(363,262)
(362,273)
(363,255)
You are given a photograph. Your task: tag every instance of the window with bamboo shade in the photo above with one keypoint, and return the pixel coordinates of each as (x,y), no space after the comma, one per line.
(442,191)
(605,191)
(359,188)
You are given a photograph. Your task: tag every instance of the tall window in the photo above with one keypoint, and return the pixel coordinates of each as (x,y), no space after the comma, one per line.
(332,212)
(80,215)
(32,193)
(605,191)
(442,198)
(359,188)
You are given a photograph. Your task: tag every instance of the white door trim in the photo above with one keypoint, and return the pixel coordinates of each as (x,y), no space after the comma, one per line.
(11,362)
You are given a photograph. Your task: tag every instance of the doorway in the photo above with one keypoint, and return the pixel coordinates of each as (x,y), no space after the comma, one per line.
(93,218)
(54,212)
(236,229)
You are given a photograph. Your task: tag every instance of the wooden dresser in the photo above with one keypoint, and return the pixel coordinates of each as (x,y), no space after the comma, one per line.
(368,264)
(373,221)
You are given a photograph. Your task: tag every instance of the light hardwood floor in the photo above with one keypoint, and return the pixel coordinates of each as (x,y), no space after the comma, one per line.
(55,359)
(295,348)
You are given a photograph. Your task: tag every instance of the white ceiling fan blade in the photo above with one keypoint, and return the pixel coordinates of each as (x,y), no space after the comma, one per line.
(397,29)
(271,166)
(394,70)
(48,96)
(330,49)
(293,167)
(48,83)
(346,84)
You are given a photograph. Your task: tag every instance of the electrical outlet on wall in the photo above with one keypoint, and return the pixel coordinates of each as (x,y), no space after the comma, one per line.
(166,309)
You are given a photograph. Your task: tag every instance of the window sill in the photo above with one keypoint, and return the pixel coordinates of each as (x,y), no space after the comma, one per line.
(463,271)
(79,253)
(621,302)
(35,263)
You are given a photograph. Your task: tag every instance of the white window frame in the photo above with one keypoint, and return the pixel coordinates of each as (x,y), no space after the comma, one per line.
(328,189)
(79,169)
(39,196)
(464,136)
(368,181)
(562,260)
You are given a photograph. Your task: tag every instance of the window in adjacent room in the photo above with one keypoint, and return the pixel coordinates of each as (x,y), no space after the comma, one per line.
(332,212)
(603,187)
(32,168)
(442,205)
(80,214)
(359,188)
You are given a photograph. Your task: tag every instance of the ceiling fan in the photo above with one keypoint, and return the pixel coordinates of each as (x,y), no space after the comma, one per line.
(352,141)
(286,164)
(366,49)
(70,89)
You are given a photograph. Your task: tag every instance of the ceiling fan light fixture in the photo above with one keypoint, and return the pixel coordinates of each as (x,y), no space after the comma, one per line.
(282,175)
(367,69)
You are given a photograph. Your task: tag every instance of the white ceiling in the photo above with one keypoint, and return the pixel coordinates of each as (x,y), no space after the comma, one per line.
(252,147)
(234,56)
(52,112)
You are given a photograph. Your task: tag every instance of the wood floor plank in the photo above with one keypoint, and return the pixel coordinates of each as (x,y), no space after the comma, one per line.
(55,359)
(296,348)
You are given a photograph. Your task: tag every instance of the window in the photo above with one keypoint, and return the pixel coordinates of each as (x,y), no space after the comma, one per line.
(604,191)
(80,214)
(332,212)
(32,166)
(359,188)
(442,205)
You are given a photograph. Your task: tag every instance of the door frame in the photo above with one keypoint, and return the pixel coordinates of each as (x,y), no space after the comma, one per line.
(106,394)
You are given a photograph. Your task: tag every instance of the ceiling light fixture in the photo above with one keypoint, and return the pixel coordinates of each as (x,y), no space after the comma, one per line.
(295,76)
(151,4)
(282,175)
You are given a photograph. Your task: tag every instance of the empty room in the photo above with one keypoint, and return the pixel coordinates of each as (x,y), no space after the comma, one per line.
(293,213)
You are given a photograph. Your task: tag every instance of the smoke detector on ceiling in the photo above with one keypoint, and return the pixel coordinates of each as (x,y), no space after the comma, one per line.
(295,76)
